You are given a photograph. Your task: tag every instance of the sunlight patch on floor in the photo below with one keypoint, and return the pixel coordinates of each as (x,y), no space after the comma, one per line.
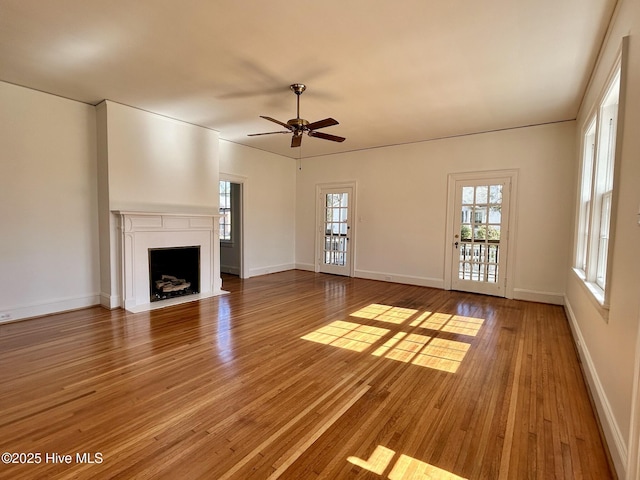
(378,461)
(405,467)
(348,335)
(423,350)
(384,313)
(448,323)
(402,346)
(408,468)
(437,353)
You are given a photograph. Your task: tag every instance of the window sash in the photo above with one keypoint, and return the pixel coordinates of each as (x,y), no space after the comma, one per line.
(603,239)
(595,201)
(585,196)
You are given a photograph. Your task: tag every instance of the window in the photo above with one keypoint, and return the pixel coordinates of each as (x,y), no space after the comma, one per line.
(596,190)
(589,148)
(225,211)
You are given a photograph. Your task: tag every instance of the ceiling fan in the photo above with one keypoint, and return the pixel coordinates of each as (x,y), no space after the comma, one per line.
(298,126)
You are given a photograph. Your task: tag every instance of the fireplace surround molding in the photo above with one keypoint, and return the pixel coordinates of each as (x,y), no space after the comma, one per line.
(141,231)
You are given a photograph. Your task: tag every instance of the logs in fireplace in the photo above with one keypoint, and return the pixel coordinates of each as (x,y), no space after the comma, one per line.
(173,272)
(169,283)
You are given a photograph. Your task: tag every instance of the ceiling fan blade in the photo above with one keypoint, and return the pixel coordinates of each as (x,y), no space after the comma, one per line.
(266,133)
(327,122)
(326,136)
(287,126)
(296,141)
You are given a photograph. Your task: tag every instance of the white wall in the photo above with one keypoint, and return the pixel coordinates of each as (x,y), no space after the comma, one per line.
(609,348)
(48,203)
(402,204)
(268,206)
(149,163)
(160,164)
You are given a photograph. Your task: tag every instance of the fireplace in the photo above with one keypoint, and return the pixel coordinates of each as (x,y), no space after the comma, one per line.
(173,272)
(148,240)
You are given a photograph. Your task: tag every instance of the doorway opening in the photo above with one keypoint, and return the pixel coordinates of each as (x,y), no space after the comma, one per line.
(231,221)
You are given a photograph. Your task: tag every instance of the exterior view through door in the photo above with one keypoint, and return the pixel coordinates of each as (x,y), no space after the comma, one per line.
(479,259)
(334,230)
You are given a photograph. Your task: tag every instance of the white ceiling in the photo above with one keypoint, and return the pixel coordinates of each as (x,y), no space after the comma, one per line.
(391,72)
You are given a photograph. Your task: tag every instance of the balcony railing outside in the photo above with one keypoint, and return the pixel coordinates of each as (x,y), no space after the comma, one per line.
(479,261)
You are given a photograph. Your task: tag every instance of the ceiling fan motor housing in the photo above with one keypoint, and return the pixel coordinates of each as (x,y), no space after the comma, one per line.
(298,88)
(298,123)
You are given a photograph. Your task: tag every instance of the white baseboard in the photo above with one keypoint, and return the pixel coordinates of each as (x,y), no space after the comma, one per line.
(614,438)
(230,269)
(309,267)
(536,296)
(395,278)
(49,307)
(109,301)
(254,272)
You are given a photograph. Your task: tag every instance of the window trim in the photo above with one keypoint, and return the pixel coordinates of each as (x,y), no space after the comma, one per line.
(600,296)
(596,295)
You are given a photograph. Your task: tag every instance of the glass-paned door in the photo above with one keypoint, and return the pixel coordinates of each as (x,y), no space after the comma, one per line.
(334,231)
(479,255)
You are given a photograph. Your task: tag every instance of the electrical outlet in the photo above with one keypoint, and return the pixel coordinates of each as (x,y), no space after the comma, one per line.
(387,278)
(5,316)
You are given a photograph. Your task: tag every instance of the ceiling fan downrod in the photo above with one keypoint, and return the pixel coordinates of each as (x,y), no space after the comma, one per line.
(298,88)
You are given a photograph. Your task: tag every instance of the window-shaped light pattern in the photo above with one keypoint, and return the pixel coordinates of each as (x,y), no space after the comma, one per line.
(400,467)
(410,336)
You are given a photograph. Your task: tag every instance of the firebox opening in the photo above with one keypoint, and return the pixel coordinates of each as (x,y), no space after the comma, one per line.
(173,272)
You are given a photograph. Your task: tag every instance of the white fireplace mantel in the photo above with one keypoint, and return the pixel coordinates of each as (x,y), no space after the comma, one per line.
(141,231)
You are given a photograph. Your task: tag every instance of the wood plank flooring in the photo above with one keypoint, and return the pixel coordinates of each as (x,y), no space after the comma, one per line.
(300,376)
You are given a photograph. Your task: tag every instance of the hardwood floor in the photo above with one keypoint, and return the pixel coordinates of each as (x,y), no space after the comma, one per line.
(300,376)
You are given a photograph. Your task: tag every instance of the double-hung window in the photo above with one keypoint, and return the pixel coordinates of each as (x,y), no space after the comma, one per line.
(596,191)
(225,211)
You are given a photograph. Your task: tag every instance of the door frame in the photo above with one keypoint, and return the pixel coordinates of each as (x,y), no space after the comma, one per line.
(451,222)
(242,181)
(319,234)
